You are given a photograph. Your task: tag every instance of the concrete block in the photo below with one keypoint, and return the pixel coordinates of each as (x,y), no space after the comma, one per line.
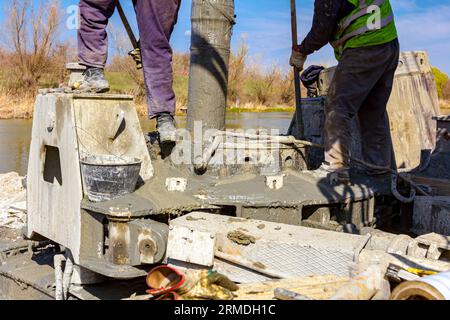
(191,246)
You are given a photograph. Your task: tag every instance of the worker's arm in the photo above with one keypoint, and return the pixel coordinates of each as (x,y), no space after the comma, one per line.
(326,18)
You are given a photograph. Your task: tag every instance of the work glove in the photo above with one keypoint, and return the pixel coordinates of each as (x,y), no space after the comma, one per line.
(207,285)
(136,54)
(167,283)
(163,280)
(297,59)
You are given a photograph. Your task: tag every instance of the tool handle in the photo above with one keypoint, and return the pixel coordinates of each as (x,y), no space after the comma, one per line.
(127,25)
(297,84)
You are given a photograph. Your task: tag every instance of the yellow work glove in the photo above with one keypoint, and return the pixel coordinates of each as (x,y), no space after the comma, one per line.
(207,285)
(137,57)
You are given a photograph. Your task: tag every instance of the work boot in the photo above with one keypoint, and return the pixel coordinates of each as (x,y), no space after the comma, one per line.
(94,81)
(166,128)
(334,175)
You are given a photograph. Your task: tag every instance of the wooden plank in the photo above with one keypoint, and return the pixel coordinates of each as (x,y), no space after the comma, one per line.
(315,287)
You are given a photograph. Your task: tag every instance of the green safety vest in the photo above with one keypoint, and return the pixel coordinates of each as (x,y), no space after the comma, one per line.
(361,28)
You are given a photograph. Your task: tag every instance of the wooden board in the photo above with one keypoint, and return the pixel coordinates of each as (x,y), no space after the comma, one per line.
(315,287)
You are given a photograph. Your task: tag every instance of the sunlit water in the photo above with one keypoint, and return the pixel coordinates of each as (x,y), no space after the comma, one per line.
(15,135)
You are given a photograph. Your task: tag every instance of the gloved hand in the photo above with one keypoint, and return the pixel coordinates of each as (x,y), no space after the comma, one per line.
(136,54)
(297,59)
(137,57)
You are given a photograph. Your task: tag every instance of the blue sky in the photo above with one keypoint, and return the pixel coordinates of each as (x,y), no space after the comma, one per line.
(265,26)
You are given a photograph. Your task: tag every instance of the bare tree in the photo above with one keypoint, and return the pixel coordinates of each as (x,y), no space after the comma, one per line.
(31,34)
(122,62)
(446,91)
(237,72)
(287,93)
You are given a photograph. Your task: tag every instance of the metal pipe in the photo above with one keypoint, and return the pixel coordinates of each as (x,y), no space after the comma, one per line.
(126,24)
(212,25)
(298,93)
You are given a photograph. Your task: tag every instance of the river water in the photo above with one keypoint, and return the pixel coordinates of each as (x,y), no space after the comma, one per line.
(15,135)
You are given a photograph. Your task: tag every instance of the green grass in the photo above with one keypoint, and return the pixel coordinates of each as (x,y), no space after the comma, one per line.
(180,86)
(120,81)
(260,109)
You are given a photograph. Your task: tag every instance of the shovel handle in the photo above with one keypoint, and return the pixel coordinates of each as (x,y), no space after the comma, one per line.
(298,92)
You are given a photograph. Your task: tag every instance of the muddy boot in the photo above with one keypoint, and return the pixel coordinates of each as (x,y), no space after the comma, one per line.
(166,128)
(334,175)
(93,81)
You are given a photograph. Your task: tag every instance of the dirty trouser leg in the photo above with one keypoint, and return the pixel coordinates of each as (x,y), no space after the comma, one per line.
(156,21)
(373,117)
(357,74)
(92,36)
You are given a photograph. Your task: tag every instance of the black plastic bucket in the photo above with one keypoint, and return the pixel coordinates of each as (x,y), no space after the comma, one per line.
(109,177)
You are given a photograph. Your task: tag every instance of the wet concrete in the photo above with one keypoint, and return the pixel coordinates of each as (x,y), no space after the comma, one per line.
(241,238)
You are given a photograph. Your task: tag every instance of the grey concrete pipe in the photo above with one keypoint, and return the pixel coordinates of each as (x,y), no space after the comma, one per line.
(212,26)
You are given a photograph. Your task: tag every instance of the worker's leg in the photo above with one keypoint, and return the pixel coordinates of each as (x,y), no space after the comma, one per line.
(373,117)
(156,20)
(357,74)
(92,37)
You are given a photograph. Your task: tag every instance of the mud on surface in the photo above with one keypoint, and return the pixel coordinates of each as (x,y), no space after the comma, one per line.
(241,238)
(10,234)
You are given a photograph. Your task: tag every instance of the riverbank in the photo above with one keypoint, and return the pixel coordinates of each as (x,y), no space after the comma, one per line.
(13,107)
(22,108)
(259,108)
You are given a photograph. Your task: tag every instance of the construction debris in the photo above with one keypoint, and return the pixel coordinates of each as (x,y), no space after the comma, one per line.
(241,238)
(277,251)
(254,256)
(283,294)
(168,283)
(398,274)
(12,201)
(369,285)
